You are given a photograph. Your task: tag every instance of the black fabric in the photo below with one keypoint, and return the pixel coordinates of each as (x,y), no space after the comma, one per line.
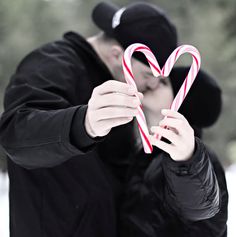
(58,186)
(203,103)
(175,199)
(78,135)
(136,23)
(102,15)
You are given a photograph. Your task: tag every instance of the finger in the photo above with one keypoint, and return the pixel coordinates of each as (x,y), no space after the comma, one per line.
(172,129)
(116,99)
(115,112)
(111,123)
(166,133)
(168,148)
(172,114)
(176,124)
(113,86)
(140,96)
(181,126)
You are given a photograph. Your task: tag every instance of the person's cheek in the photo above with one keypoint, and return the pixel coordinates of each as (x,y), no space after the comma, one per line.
(169,97)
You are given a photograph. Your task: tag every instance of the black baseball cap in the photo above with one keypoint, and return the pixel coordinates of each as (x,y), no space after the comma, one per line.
(138,22)
(203,103)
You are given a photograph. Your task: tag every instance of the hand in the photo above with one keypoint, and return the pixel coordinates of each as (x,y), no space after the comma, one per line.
(113,103)
(177,130)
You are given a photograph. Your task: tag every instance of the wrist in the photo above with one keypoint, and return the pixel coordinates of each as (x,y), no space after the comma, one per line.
(88,128)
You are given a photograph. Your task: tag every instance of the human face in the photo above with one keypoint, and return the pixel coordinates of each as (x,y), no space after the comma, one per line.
(158,92)
(144,78)
(157,99)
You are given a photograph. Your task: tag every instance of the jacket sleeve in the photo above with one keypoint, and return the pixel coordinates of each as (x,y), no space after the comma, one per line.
(40,106)
(192,189)
(175,199)
(215,226)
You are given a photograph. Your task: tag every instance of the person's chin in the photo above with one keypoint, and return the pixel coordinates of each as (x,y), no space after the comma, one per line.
(151,110)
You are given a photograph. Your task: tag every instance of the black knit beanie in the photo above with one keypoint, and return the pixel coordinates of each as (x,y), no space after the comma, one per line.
(202,105)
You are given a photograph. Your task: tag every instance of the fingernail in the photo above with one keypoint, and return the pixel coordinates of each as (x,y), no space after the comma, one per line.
(140,94)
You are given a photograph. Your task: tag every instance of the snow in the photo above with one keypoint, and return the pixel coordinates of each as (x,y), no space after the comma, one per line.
(4,211)
(231,181)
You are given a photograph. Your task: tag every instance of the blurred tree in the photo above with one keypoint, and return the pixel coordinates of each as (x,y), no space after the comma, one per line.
(230,25)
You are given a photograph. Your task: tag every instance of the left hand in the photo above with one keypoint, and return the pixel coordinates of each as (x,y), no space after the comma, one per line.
(178,132)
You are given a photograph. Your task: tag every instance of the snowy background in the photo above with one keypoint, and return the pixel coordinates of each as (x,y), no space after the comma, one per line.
(231,180)
(4,211)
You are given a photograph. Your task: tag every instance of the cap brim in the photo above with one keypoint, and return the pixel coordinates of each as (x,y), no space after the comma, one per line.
(102,16)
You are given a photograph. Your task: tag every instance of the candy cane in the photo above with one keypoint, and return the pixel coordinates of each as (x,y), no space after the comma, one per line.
(165,71)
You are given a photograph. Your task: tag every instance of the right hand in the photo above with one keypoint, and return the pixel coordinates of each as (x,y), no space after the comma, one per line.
(113,103)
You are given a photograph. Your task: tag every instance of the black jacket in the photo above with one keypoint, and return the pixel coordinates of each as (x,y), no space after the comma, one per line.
(62,182)
(58,184)
(175,199)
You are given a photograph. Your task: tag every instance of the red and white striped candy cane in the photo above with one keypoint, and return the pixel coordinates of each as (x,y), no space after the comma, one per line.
(196,63)
(165,71)
(127,68)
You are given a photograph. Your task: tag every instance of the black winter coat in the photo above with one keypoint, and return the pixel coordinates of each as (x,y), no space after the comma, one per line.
(175,199)
(59,186)
(62,182)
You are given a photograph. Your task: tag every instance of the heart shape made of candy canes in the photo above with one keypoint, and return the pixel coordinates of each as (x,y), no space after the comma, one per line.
(157,71)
